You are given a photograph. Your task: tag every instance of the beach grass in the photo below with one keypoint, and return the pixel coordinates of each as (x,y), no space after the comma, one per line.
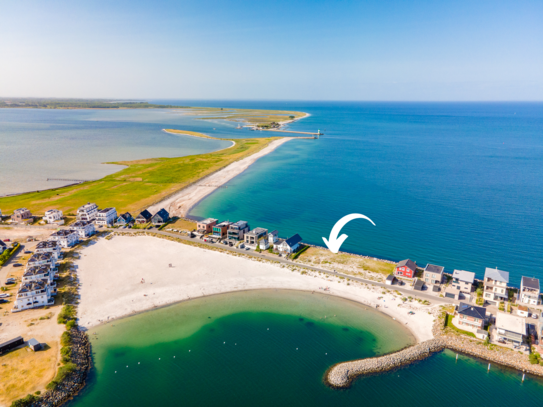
(190,133)
(248,116)
(348,263)
(136,187)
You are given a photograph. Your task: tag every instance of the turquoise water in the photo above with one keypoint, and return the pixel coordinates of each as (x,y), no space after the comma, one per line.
(270,348)
(72,144)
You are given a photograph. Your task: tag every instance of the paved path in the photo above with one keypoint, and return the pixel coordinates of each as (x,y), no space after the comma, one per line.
(281,260)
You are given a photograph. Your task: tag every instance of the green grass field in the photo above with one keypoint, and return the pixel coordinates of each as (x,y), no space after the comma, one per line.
(139,185)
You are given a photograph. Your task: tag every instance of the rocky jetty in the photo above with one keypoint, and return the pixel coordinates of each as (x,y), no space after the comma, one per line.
(342,374)
(74,381)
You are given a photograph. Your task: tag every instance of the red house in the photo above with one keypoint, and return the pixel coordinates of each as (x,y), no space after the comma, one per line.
(406,268)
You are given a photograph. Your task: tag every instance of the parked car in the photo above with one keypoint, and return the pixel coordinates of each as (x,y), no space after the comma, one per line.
(2,300)
(28,251)
(535,316)
(8,282)
(4,295)
(7,240)
(17,265)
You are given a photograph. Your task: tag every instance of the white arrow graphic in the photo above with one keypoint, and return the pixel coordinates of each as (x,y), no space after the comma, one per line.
(335,242)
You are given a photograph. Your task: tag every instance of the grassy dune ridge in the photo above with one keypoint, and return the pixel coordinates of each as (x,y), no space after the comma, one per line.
(139,185)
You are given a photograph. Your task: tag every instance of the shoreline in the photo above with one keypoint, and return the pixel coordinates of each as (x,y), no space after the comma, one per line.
(181,202)
(207,272)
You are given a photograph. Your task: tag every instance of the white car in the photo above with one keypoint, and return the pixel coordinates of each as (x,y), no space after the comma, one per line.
(6,295)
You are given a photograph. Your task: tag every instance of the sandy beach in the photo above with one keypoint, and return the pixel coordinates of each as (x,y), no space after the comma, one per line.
(181,203)
(127,275)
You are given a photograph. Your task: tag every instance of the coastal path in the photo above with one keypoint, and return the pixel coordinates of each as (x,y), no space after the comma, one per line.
(407,292)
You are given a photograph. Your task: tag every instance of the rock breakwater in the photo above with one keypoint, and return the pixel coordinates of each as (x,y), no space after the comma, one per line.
(75,380)
(342,374)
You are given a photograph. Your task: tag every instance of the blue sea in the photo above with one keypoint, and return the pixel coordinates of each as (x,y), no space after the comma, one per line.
(454,184)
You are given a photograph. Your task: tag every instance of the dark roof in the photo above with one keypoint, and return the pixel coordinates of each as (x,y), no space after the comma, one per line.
(80,224)
(432,268)
(3,244)
(530,282)
(63,232)
(418,285)
(19,338)
(409,263)
(40,257)
(291,241)
(391,277)
(36,270)
(163,214)
(436,288)
(145,215)
(471,310)
(126,216)
(47,244)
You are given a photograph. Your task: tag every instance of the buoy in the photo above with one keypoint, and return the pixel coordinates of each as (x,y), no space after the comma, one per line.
(126,366)
(138,363)
(268,329)
(174,357)
(326,353)
(158,358)
(296,349)
(115,371)
(489,367)
(224,342)
(524,374)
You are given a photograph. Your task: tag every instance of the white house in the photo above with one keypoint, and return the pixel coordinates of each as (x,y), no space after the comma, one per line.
(529,291)
(289,245)
(273,237)
(510,328)
(42,259)
(33,294)
(39,273)
(65,237)
(87,212)
(83,228)
(495,284)
(47,246)
(106,217)
(53,216)
(463,280)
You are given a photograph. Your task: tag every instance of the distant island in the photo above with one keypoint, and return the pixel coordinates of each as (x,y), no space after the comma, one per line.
(36,103)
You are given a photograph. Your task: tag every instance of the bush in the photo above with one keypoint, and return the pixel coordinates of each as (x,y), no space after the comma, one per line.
(66,339)
(66,314)
(25,401)
(534,358)
(299,252)
(71,324)
(61,375)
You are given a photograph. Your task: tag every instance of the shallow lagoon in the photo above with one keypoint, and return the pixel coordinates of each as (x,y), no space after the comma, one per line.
(272,347)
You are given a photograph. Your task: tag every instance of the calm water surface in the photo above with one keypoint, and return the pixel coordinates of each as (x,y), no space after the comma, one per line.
(270,348)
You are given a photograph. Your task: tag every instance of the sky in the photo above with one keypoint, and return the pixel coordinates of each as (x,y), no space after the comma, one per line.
(273,50)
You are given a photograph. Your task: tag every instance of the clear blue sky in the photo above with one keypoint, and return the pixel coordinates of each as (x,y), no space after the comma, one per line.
(305,50)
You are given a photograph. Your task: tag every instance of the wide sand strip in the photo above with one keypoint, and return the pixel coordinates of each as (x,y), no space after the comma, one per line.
(111,274)
(181,203)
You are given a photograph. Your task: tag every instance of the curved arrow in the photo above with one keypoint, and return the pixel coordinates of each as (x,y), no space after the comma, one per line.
(335,242)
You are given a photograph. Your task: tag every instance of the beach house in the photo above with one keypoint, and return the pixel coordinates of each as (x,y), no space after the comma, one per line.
(510,328)
(220,230)
(433,274)
(21,215)
(106,217)
(237,230)
(252,238)
(42,259)
(83,228)
(495,286)
(40,273)
(124,219)
(87,212)
(65,237)
(463,280)
(53,216)
(144,217)
(529,291)
(33,294)
(206,226)
(273,236)
(47,246)
(290,245)
(470,316)
(406,268)
(161,217)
